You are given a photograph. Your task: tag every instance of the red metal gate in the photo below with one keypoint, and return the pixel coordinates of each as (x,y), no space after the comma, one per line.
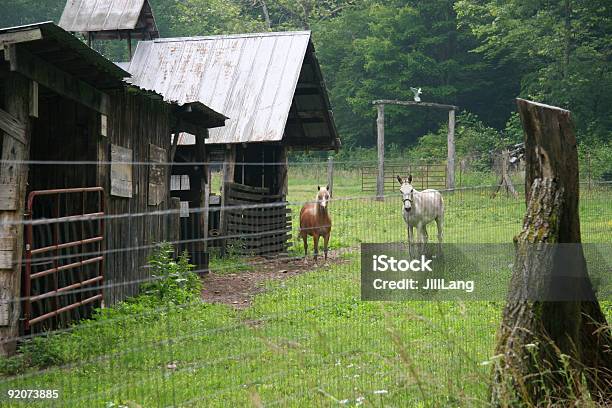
(63,254)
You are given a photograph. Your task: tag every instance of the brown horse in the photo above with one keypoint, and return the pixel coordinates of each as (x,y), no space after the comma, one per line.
(315,221)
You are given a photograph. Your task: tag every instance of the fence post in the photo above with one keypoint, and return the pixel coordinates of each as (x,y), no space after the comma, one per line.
(330,174)
(380,127)
(450,161)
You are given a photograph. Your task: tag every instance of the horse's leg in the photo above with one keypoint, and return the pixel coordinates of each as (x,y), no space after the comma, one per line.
(325,242)
(305,239)
(410,238)
(315,238)
(440,225)
(422,238)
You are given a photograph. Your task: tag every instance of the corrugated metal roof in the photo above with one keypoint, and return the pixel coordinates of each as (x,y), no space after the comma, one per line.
(250,78)
(107,15)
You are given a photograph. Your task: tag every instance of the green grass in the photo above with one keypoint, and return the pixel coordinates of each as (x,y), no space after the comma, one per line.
(308,340)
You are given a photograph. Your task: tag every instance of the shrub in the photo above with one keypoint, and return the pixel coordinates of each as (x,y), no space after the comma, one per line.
(173,281)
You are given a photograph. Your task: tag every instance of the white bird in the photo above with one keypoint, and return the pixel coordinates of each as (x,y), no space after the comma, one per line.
(417,92)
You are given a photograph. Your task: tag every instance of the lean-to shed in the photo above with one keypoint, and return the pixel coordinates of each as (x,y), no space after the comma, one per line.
(85,156)
(271,88)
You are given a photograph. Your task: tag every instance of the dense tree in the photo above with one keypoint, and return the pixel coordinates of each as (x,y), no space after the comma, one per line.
(560,48)
(380,50)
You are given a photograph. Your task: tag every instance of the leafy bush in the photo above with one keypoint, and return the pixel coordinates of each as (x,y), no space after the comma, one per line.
(473,140)
(173,281)
(596,160)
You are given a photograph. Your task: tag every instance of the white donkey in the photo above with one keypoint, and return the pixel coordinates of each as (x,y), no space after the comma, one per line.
(421,208)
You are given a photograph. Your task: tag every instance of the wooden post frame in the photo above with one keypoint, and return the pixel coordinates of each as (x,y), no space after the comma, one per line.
(450,158)
(380,126)
(330,174)
(380,146)
(229,166)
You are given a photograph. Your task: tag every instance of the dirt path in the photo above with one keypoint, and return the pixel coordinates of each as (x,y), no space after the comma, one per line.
(238,289)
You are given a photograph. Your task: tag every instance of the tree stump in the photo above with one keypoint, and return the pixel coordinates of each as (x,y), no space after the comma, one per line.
(550,352)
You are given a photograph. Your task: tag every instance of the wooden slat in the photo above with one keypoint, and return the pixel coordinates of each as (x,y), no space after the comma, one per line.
(256,212)
(250,189)
(21,36)
(239,195)
(256,242)
(12,126)
(279,219)
(242,227)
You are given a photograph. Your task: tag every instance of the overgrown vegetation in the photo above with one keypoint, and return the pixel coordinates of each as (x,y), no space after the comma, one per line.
(173,285)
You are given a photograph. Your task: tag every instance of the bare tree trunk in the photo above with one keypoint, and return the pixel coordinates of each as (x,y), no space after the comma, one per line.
(545,348)
(264,9)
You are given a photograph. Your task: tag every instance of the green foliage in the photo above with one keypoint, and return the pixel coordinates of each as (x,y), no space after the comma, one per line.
(596,160)
(473,140)
(174,284)
(561,49)
(210,17)
(172,281)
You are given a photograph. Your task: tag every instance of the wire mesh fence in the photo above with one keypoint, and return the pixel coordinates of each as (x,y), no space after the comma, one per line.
(275,329)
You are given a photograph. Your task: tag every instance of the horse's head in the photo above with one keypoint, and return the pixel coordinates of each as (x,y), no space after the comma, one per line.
(323,196)
(407,192)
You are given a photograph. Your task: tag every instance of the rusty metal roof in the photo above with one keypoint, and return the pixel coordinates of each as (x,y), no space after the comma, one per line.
(107,18)
(269,85)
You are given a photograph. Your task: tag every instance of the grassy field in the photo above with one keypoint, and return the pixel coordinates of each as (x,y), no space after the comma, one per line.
(308,340)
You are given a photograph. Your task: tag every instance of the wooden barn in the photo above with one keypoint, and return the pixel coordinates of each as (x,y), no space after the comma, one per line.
(270,87)
(78,150)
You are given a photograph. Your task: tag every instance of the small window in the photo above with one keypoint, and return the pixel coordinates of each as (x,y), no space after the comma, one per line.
(184,209)
(179,182)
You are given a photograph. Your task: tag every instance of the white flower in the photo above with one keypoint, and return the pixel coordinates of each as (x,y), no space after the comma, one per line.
(381,392)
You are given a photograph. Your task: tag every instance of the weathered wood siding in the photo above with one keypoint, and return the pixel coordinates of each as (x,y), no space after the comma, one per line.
(135,122)
(67,131)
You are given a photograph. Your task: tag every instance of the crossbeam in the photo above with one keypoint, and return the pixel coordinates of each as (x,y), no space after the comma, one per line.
(413,103)
(56,80)
(380,130)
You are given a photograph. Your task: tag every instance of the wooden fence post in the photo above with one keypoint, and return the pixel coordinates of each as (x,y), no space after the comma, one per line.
(229,166)
(450,161)
(330,174)
(380,127)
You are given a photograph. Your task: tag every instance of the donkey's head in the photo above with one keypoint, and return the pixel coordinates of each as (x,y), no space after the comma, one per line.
(323,196)
(407,191)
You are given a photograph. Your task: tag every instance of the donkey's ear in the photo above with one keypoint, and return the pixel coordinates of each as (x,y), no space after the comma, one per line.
(410,178)
(400,179)
(318,187)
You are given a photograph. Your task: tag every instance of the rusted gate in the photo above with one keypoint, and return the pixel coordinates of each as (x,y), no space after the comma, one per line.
(423,176)
(257,222)
(64,257)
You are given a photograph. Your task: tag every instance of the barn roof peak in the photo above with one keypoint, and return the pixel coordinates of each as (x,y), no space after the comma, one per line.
(269,85)
(110,19)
